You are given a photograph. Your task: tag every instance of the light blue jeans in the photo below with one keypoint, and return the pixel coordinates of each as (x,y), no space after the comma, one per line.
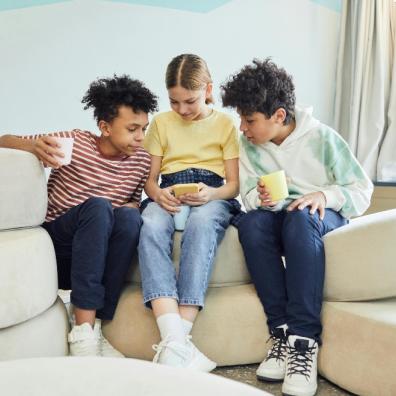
(203,232)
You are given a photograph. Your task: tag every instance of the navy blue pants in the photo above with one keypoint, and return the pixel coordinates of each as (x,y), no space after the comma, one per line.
(290,294)
(94,245)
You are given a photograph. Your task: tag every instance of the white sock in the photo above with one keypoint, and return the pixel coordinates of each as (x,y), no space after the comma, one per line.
(187,326)
(171,327)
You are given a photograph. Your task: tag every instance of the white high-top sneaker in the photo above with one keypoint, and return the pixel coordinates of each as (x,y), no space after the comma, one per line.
(185,355)
(105,348)
(83,341)
(273,367)
(301,367)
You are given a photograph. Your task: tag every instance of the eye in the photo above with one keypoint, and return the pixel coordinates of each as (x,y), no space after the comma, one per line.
(132,129)
(191,101)
(250,121)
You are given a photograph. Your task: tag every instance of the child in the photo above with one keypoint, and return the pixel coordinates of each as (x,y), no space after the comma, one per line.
(326,187)
(190,144)
(93,217)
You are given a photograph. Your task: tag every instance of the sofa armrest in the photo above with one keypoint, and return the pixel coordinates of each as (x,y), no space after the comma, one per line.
(361,259)
(23,190)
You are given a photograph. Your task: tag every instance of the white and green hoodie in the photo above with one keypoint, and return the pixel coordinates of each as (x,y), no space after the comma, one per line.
(314,158)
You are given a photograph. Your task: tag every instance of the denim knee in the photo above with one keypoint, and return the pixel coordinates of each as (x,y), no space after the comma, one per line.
(127,220)
(298,220)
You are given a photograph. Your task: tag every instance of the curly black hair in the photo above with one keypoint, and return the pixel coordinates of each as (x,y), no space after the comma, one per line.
(261,87)
(106,95)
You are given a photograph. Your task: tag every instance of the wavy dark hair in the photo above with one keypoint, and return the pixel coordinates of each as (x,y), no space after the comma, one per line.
(106,95)
(260,87)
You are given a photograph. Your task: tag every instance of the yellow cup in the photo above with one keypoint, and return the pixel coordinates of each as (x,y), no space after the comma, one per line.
(276,184)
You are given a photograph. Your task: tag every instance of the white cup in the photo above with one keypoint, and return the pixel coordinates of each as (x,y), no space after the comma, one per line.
(66,146)
(181,217)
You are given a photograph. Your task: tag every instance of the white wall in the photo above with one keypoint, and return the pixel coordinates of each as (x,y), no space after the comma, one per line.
(50,54)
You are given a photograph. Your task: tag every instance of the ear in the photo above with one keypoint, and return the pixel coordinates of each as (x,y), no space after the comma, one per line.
(209,89)
(105,128)
(280,115)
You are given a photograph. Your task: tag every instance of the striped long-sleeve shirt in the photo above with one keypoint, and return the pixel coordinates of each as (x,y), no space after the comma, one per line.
(91,174)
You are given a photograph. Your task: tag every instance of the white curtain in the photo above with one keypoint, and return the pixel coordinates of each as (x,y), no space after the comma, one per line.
(365,106)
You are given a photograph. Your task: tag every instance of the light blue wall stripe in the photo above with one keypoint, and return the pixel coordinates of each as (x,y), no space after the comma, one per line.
(14,4)
(201,6)
(335,5)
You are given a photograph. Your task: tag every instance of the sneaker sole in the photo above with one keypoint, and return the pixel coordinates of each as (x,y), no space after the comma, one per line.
(268,379)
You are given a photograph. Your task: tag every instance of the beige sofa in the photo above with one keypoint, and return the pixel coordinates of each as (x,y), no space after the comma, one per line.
(33,321)
(359,312)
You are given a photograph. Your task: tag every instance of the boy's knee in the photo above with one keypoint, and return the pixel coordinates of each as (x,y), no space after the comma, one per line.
(127,220)
(297,219)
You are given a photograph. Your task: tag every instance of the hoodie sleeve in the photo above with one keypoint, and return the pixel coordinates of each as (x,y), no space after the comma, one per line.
(351,191)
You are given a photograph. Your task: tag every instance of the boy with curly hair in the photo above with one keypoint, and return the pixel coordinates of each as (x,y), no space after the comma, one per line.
(93,217)
(326,187)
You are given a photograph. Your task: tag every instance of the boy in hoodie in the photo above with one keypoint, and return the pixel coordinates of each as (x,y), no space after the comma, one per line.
(326,187)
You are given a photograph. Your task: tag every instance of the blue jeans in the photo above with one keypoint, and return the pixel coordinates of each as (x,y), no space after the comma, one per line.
(204,229)
(290,294)
(94,245)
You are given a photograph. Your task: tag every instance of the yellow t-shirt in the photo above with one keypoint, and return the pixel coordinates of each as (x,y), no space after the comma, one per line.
(203,144)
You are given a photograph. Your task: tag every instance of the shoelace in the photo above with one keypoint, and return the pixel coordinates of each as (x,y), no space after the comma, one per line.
(165,344)
(300,362)
(278,351)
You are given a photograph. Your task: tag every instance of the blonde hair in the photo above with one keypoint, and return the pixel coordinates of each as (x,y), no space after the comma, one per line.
(190,72)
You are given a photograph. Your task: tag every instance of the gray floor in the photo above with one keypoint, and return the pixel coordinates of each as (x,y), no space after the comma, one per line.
(247,375)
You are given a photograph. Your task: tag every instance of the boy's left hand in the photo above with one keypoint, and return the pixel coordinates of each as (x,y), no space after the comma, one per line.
(316,200)
(204,195)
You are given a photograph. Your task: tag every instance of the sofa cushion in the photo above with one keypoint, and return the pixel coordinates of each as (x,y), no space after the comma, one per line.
(359,346)
(360,259)
(23,190)
(28,276)
(229,266)
(44,335)
(231,329)
(103,377)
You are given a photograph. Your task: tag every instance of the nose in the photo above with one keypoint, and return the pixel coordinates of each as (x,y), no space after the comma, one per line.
(139,136)
(243,126)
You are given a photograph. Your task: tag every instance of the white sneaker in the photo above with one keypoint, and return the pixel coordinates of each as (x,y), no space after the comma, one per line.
(176,354)
(83,341)
(301,367)
(105,348)
(273,367)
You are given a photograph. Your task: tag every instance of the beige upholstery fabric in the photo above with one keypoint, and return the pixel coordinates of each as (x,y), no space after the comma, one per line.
(229,266)
(28,279)
(359,346)
(360,259)
(23,190)
(44,335)
(104,377)
(231,329)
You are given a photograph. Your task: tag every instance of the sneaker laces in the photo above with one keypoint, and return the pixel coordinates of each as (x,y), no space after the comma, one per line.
(278,350)
(166,343)
(300,359)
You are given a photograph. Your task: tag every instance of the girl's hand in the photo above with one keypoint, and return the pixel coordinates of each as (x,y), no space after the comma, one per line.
(264,195)
(167,200)
(316,200)
(204,195)
(46,149)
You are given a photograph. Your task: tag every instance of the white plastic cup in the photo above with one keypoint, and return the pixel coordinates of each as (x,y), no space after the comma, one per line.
(66,146)
(180,218)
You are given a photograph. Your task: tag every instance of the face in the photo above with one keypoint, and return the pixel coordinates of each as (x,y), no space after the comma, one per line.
(190,105)
(125,133)
(259,129)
